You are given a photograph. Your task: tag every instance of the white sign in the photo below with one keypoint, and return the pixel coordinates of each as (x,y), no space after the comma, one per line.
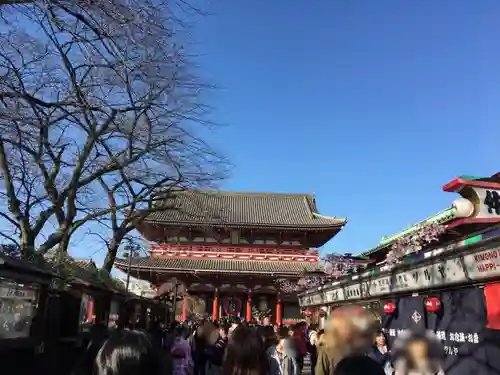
(481,265)
(15,292)
(488,203)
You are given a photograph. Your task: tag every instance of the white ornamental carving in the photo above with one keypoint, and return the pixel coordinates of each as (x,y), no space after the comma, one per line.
(416,317)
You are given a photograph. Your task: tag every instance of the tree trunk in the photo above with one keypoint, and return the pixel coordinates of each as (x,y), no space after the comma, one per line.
(113,246)
(27,244)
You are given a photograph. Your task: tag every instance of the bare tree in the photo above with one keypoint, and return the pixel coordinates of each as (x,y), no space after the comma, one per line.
(93,96)
(134,194)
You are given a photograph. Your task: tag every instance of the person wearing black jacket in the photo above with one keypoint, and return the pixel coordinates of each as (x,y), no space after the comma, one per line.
(380,353)
(198,348)
(215,349)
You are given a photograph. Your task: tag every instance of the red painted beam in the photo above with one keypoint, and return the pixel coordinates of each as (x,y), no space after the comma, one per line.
(459,183)
(464,221)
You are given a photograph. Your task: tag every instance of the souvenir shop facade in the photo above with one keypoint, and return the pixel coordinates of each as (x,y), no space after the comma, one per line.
(453,291)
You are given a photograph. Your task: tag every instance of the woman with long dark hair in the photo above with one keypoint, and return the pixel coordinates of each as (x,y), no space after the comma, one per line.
(245,353)
(180,351)
(130,353)
(268,335)
(418,353)
(380,353)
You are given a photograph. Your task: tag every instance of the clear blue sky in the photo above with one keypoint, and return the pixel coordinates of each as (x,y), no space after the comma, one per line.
(371,105)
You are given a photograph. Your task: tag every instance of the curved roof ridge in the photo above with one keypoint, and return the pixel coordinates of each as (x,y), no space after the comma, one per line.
(329,217)
(245,210)
(255,193)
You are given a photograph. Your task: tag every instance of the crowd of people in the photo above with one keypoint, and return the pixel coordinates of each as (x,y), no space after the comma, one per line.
(349,345)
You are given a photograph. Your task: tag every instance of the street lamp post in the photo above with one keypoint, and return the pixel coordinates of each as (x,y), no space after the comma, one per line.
(131,252)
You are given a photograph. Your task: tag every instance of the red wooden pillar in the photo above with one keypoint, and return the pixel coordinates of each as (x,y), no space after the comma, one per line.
(278,309)
(215,305)
(90,310)
(248,309)
(184,310)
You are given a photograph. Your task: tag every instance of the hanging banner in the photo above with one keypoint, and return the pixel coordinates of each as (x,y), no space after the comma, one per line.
(460,325)
(460,269)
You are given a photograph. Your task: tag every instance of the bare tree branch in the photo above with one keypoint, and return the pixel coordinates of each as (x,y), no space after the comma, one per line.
(97,97)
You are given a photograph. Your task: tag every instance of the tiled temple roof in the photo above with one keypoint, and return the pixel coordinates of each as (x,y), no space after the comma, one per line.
(251,210)
(218,265)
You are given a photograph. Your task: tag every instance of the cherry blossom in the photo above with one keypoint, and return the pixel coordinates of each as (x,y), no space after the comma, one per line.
(332,266)
(414,242)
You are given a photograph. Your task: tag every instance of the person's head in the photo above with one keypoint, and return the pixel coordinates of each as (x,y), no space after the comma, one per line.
(418,350)
(245,353)
(224,331)
(313,327)
(207,332)
(129,352)
(212,334)
(268,336)
(350,329)
(380,339)
(281,345)
(283,333)
(358,365)
(181,330)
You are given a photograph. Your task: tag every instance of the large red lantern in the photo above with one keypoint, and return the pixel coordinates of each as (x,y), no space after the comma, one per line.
(389,307)
(432,304)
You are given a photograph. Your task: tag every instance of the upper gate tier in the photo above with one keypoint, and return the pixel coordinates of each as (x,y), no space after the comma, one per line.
(253,216)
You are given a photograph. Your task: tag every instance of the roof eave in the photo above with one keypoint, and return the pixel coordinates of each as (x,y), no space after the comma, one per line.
(444,217)
(331,227)
(190,270)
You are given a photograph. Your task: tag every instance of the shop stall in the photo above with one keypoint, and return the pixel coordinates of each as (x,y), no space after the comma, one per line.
(455,293)
(23,293)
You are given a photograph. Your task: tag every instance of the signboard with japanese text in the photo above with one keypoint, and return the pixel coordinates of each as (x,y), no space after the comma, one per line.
(17,307)
(334,295)
(17,292)
(487,203)
(460,269)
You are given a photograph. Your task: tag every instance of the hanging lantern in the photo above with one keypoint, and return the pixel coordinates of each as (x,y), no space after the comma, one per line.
(432,304)
(308,312)
(389,308)
(322,313)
